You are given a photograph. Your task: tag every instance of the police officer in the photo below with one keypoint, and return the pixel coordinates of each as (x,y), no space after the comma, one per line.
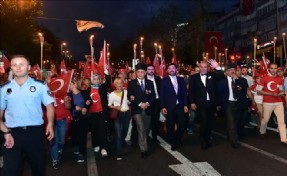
(21,99)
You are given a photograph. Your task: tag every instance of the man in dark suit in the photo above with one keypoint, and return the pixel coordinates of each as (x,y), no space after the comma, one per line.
(230,89)
(173,104)
(203,99)
(154,124)
(141,94)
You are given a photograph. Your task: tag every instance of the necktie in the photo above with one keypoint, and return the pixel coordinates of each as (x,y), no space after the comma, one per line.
(233,85)
(142,86)
(175,86)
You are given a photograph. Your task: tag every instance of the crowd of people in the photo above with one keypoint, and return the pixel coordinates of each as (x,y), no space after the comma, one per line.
(139,97)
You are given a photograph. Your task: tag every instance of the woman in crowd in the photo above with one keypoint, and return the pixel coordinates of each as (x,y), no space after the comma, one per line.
(118,100)
(98,111)
(79,123)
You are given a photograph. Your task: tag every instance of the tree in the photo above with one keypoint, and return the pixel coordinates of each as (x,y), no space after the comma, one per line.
(19,29)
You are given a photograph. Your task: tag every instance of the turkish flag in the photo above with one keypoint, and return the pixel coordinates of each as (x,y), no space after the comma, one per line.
(7,63)
(264,65)
(81,65)
(156,64)
(174,60)
(59,86)
(147,60)
(211,40)
(246,7)
(162,68)
(63,67)
(87,70)
(36,70)
(103,63)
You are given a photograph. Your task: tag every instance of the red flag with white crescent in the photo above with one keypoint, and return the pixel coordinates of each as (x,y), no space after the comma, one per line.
(156,64)
(59,86)
(174,60)
(147,61)
(36,70)
(63,67)
(103,63)
(7,63)
(212,40)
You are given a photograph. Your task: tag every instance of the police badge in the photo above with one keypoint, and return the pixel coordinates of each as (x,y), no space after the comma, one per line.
(9,91)
(32,89)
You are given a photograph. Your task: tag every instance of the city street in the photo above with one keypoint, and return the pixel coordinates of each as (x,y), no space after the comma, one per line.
(256,156)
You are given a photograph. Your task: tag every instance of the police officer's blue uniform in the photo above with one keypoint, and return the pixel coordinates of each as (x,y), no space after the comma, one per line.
(24,117)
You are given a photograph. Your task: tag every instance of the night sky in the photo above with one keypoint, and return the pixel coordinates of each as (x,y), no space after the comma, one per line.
(121,19)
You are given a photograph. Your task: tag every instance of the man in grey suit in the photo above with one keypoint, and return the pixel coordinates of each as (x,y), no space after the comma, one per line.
(141,94)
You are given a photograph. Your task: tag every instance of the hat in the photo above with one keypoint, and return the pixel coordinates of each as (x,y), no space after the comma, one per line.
(281,69)
(140,66)
(230,65)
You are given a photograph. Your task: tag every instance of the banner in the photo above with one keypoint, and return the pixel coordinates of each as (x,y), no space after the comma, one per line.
(86,25)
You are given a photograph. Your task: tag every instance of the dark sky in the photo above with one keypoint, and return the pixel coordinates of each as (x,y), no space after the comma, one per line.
(121,19)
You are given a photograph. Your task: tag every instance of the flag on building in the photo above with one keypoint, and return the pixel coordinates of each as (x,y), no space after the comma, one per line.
(59,86)
(86,25)
(247,7)
(212,40)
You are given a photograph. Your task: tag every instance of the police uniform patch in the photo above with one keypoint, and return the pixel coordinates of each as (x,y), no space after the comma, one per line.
(32,88)
(49,93)
(9,91)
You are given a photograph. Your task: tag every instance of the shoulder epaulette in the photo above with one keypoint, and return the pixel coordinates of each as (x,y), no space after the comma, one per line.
(2,85)
(40,81)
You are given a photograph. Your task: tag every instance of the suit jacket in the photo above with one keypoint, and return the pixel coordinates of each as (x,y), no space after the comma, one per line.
(239,91)
(198,92)
(157,82)
(148,95)
(168,96)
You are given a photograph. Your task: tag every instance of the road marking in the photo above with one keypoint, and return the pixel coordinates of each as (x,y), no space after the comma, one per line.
(270,155)
(187,168)
(91,161)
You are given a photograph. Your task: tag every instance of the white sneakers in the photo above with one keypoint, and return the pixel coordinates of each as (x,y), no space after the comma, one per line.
(104,152)
(96,149)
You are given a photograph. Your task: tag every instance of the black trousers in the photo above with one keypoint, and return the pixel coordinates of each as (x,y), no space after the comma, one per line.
(28,142)
(154,123)
(206,118)
(175,116)
(233,115)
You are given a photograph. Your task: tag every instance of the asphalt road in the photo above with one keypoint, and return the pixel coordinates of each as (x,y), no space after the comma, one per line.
(256,157)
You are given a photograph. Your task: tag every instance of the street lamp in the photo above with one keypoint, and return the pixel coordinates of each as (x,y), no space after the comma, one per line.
(274,43)
(155,47)
(41,44)
(284,44)
(62,45)
(91,40)
(254,53)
